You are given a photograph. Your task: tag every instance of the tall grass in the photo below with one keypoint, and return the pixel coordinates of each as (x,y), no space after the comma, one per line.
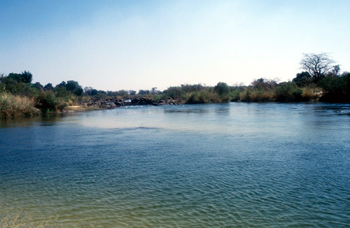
(284,92)
(16,106)
(202,97)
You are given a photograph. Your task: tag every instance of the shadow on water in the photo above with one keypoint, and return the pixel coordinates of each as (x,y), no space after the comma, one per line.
(200,109)
(331,109)
(45,120)
(188,110)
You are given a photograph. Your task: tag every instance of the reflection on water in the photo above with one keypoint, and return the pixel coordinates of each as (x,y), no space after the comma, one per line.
(46,120)
(238,164)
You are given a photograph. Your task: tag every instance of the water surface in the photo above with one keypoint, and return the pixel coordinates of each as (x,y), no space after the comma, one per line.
(220,165)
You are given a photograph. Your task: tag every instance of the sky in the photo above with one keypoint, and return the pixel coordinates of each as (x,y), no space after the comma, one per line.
(132,45)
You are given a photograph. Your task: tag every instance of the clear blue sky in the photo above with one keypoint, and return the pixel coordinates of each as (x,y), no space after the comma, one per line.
(129,44)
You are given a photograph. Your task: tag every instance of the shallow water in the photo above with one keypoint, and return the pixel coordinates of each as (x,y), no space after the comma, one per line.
(220,165)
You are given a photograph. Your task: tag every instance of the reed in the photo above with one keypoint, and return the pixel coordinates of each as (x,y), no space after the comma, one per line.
(16,106)
(311,94)
(202,97)
(262,96)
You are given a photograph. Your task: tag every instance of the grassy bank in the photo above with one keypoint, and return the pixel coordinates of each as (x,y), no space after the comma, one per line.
(16,106)
(261,90)
(20,97)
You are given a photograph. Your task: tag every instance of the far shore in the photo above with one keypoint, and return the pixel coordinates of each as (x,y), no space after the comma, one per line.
(19,97)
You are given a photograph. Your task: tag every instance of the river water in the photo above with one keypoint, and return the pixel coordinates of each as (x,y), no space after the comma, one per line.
(215,165)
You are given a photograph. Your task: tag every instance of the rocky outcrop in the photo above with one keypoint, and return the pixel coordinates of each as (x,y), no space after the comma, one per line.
(169,101)
(150,101)
(110,103)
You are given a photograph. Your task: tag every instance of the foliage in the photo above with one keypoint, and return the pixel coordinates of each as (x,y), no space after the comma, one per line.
(235,95)
(303,79)
(25,77)
(38,86)
(143,92)
(288,91)
(187,88)
(62,92)
(74,87)
(10,85)
(245,95)
(222,88)
(201,97)
(263,84)
(175,93)
(132,92)
(336,88)
(47,101)
(261,95)
(48,86)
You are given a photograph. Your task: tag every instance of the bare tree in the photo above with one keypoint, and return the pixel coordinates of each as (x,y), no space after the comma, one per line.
(317,65)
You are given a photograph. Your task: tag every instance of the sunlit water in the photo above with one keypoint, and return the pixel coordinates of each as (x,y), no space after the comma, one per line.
(230,165)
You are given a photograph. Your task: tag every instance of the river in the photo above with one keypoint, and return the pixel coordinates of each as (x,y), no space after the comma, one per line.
(214,165)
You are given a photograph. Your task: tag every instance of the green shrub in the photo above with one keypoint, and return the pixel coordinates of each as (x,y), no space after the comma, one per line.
(175,93)
(303,79)
(47,101)
(335,88)
(235,95)
(287,92)
(17,88)
(201,97)
(261,95)
(222,88)
(245,95)
(335,84)
(297,94)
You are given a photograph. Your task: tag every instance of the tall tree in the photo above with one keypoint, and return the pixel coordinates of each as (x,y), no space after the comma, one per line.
(74,87)
(27,77)
(318,65)
(221,88)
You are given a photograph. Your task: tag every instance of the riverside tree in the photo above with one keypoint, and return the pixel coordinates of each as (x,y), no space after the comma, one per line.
(74,87)
(317,65)
(222,88)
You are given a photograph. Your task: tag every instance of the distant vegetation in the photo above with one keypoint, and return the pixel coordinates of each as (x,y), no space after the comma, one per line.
(321,80)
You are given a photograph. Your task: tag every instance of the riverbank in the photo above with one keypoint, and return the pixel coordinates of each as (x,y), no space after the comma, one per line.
(14,106)
(115,102)
(20,99)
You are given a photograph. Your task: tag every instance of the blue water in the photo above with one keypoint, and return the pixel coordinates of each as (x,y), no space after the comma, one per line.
(220,165)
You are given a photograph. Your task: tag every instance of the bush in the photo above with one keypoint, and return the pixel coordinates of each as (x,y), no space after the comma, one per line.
(47,101)
(175,93)
(303,79)
(62,92)
(287,92)
(261,96)
(235,95)
(74,87)
(263,84)
(10,85)
(187,88)
(25,77)
(201,97)
(222,88)
(245,95)
(336,89)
